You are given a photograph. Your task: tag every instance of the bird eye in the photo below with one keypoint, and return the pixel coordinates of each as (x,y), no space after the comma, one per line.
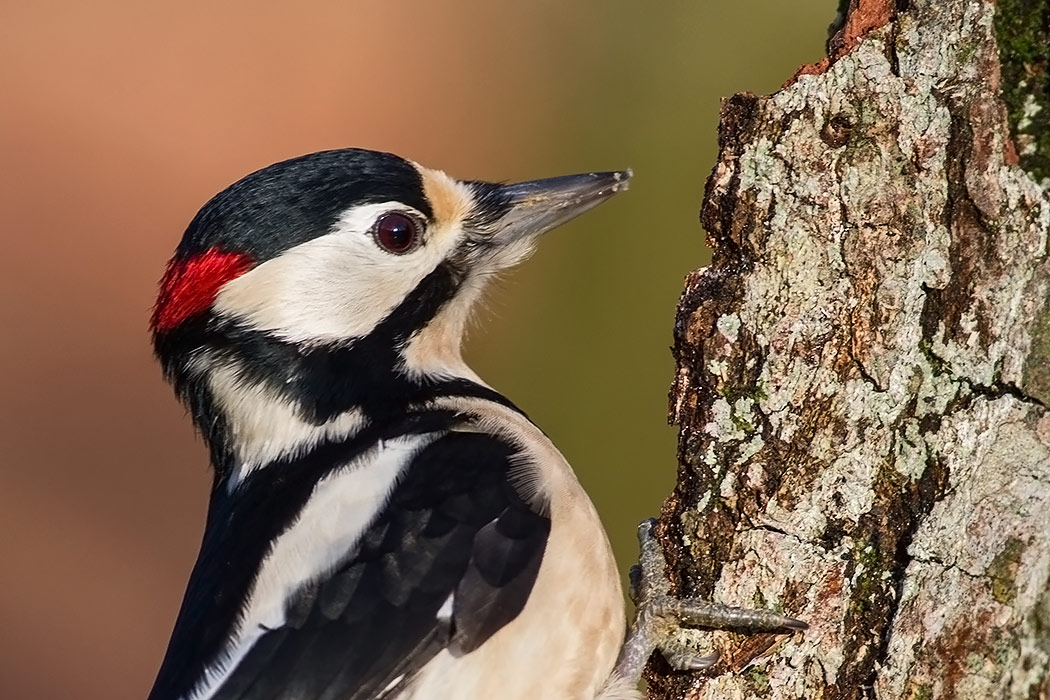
(396,233)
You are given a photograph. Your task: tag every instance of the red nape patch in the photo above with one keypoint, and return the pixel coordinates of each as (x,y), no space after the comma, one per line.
(189,286)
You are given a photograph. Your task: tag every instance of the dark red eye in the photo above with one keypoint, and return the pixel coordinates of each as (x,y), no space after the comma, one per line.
(397,233)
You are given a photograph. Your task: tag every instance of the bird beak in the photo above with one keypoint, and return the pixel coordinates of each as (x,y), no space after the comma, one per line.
(537,206)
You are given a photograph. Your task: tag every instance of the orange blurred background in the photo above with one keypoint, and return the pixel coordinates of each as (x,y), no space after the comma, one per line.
(119,119)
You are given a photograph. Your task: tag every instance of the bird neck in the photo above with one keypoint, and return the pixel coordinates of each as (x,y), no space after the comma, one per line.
(258,400)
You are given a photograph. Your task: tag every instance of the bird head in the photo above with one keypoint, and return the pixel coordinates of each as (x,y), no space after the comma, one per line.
(336,282)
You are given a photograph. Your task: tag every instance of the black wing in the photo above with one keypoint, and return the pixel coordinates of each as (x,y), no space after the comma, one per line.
(455,526)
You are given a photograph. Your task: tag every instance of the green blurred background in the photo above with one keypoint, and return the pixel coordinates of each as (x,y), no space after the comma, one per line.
(118,119)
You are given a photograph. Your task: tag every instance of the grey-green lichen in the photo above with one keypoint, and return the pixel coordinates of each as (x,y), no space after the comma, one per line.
(867,579)
(922,691)
(869,460)
(1002,570)
(1022,29)
(1037,365)
(759,678)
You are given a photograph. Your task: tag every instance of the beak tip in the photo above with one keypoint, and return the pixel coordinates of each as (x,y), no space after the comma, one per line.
(537,206)
(621,180)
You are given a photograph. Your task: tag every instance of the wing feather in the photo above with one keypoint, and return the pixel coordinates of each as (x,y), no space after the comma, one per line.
(454,526)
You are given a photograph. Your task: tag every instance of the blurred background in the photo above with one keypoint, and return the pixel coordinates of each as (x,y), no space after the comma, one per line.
(118,119)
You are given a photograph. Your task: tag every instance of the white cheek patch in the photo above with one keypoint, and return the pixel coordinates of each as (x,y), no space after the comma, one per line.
(265,427)
(334,287)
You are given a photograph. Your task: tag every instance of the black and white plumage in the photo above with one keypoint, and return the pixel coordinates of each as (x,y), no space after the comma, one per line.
(382,523)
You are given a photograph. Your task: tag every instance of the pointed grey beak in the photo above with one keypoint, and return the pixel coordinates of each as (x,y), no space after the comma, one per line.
(537,206)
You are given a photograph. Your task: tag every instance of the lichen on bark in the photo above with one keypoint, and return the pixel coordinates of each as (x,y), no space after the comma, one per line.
(1022,28)
(864,441)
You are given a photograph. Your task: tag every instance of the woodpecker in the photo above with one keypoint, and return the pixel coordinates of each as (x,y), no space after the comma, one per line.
(382,523)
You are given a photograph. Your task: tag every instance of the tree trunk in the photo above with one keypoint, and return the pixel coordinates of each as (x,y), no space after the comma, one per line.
(864,368)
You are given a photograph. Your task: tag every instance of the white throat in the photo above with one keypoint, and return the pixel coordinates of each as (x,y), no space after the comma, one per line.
(265,426)
(437,349)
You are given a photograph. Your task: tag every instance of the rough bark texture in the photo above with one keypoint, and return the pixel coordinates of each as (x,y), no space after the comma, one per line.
(863,370)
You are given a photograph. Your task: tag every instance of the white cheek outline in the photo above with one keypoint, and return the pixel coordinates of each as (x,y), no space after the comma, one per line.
(338,286)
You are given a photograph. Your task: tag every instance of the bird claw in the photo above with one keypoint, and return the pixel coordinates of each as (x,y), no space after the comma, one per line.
(682,658)
(661,617)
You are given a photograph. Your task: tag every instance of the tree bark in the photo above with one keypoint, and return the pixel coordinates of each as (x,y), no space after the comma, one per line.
(863,370)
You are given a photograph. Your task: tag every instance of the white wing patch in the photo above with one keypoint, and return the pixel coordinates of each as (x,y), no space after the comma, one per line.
(341,507)
(445,611)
